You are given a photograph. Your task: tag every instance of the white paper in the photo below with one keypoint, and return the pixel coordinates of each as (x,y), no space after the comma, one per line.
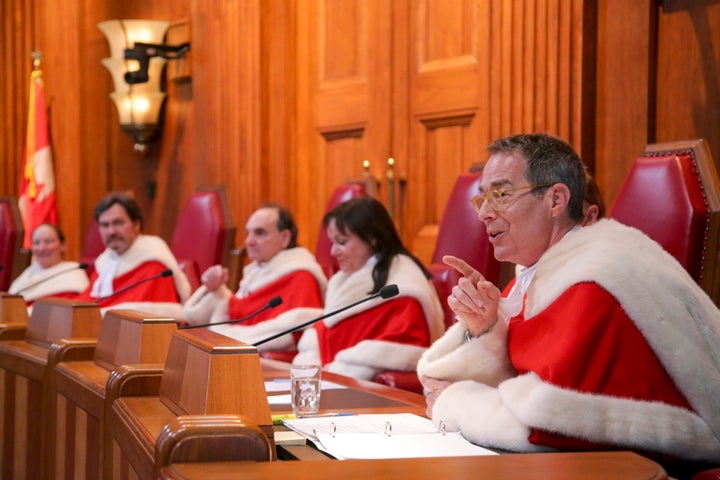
(400,435)
(404,445)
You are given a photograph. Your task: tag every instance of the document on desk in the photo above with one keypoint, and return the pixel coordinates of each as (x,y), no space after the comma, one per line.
(374,436)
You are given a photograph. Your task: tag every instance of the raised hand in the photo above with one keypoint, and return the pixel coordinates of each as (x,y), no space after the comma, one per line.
(474,299)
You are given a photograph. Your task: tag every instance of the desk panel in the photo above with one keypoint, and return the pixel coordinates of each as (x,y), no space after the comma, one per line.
(536,466)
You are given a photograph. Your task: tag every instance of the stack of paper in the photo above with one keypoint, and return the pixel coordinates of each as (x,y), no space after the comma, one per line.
(401,435)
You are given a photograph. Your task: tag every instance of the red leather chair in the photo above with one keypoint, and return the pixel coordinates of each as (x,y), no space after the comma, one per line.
(672,193)
(204,233)
(461,234)
(712,474)
(12,259)
(92,246)
(342,193)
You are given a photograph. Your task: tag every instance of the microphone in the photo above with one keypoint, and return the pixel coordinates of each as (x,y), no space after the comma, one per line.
(274,302)
(82,266)
(164,273)
(387,291)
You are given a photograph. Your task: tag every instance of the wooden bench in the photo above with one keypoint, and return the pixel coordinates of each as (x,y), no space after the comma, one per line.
(25,367)
(210,405)
(75,448)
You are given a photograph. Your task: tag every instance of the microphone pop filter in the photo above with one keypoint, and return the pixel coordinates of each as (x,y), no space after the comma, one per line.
(274,302)
(166,273)
(83,266)
(389,291)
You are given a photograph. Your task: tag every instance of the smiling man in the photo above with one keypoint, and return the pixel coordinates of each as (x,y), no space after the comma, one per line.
(278,267)
(602,342)
(130,270)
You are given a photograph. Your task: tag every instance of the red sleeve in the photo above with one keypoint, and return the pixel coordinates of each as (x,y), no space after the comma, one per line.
(297,289)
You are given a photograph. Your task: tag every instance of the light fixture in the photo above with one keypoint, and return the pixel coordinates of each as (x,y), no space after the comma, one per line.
(137,58)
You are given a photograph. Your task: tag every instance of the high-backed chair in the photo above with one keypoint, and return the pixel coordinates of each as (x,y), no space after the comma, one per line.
(204,233)
(12,260)
(92,246)
(672,193)
(342,193)
(461,234)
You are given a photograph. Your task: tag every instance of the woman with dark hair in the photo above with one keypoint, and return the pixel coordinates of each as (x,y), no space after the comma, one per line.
(49,275)
(379,334)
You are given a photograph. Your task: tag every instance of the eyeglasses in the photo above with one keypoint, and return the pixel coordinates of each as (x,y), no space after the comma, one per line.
(500,199)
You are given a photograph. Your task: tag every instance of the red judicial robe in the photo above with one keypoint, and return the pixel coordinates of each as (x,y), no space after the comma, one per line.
(614,349)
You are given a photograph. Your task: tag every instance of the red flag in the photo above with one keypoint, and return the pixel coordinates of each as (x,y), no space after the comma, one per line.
(37,199)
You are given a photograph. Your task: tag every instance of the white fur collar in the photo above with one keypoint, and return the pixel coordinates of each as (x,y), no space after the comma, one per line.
(256,276)
(344,289)
(680,322)
(146,248)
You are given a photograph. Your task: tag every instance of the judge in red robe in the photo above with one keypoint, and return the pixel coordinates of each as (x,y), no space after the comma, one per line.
(604,342)
(379,334)
(279,267)
(130,273)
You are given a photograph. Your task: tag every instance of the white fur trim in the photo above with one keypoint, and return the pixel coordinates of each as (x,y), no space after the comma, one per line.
(36,282)
(200,306)
(478,412)
(344,289)
(625,422)
(308,349)
(679,321)
(285,262)
(483,359)
(369,357)
(146,248)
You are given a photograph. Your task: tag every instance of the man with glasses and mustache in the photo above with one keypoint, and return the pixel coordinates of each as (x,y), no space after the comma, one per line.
(602,342)
(131,269)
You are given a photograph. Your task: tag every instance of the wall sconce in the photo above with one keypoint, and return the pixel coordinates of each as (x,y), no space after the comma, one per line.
(137,58)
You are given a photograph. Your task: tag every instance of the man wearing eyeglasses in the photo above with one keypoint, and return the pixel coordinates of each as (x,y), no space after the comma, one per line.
(602,342)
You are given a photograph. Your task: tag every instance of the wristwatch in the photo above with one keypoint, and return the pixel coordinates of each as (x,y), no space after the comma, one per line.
(468,337)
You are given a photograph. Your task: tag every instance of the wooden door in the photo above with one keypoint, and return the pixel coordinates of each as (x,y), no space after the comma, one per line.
(430,83)
(344,97)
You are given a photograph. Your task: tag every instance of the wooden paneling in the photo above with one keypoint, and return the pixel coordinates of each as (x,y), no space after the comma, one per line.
(688,72)
(343,74)
(480,70)
(286,99)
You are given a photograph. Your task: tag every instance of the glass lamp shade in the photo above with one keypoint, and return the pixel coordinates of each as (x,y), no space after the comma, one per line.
(122,34)
(117,68)
(139,104)
(138,108)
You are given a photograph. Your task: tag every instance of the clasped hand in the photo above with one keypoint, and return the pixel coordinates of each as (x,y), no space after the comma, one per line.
(214,277)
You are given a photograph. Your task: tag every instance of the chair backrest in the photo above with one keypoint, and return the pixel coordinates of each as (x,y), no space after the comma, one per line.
(12,260)
(92,245)
(204,233)
(463,235)
(672,194)
(342,193)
